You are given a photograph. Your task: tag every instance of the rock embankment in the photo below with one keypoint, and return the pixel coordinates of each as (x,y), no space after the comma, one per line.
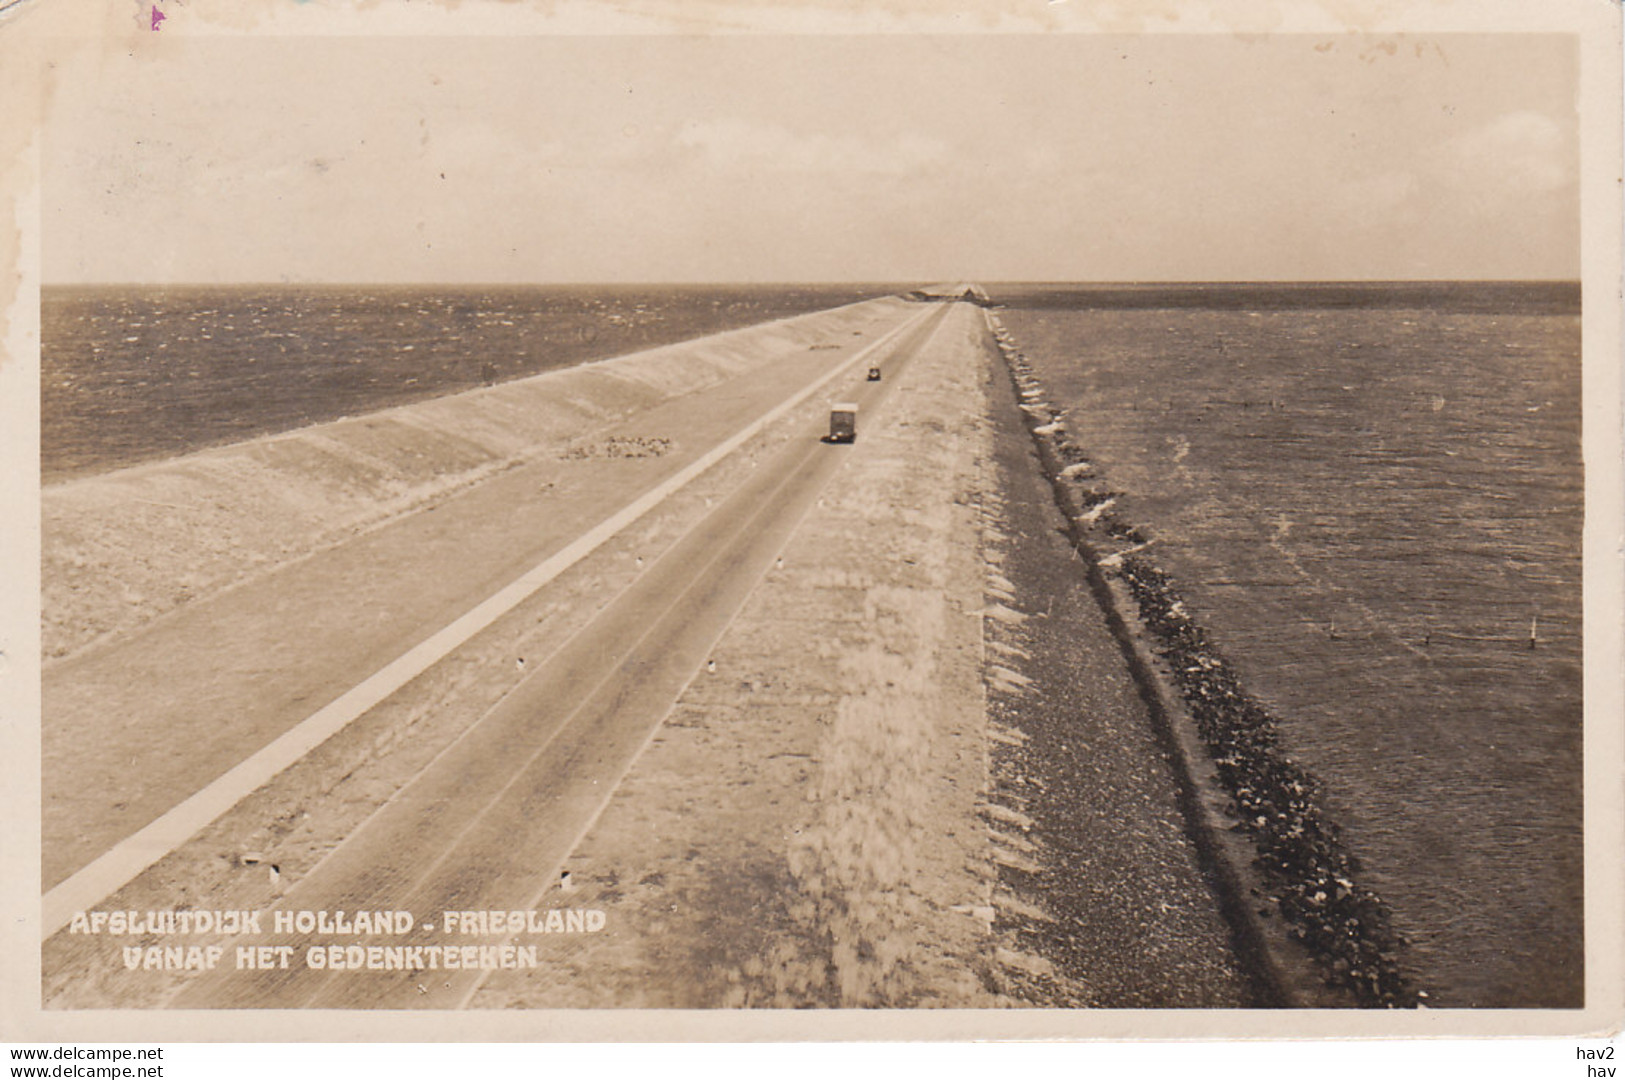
(123,548)
(1102,899)
(1300,877)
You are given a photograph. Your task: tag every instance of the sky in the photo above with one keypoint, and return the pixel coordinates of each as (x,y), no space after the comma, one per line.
(741,158)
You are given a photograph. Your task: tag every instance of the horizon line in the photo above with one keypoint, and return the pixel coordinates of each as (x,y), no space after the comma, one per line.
(909,283)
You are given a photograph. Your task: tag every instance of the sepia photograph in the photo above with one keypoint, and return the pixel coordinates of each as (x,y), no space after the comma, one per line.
(978,521)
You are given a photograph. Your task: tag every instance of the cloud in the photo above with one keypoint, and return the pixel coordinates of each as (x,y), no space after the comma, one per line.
(1515,157)
(1386,190)
(745,146)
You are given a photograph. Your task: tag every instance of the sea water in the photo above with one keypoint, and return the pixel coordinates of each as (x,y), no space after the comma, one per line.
(136,373)
(1372,497)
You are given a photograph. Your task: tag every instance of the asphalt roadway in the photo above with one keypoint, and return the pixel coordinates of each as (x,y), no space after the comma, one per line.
(487,823)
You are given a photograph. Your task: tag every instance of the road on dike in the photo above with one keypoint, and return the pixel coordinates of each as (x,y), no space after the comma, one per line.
(147,740)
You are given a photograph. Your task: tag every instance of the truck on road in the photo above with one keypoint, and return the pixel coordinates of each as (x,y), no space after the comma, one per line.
(843,422)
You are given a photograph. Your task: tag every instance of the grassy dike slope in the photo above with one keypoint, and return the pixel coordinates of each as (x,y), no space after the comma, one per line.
(123,548)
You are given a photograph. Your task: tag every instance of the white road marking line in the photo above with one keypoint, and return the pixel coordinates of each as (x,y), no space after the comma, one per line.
(121,863)
(447,850)
(549,878)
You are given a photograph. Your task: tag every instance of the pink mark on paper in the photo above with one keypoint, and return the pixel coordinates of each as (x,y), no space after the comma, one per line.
(157,16)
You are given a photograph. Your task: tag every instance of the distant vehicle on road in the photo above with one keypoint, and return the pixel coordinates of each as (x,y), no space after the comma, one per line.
(874,374)
(843,422)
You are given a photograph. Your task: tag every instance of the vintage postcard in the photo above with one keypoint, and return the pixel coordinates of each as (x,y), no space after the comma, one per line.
(810,521)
